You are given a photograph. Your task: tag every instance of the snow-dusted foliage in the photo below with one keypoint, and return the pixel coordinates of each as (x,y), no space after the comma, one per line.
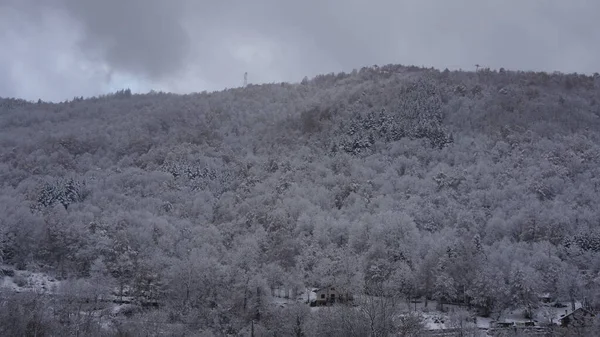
(391,183)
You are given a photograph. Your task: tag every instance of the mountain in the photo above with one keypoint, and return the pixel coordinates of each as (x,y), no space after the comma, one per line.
(478,188)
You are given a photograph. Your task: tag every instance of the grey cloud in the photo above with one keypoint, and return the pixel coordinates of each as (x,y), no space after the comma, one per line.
(335,35)
(144,37)
(192,45)
(37,59)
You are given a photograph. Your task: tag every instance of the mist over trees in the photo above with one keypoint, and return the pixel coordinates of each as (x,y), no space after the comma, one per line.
(478,188)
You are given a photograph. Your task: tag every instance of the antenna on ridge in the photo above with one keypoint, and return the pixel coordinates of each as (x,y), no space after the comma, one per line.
(245,79)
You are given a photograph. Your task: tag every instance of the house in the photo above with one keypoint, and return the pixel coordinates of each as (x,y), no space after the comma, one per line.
(331,294)
(579,318)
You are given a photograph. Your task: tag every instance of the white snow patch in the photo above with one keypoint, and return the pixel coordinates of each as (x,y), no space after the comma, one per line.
(434,320)
(29,281)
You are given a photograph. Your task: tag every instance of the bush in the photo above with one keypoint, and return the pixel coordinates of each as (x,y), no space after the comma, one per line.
(20,280)
(7,272)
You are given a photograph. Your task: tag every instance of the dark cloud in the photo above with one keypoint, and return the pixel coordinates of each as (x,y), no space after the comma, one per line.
(144,37)
(192,45)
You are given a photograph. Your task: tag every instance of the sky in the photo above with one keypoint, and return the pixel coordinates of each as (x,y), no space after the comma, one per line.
(55,50)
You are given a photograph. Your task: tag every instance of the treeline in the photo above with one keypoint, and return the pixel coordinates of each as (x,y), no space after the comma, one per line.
(478,188)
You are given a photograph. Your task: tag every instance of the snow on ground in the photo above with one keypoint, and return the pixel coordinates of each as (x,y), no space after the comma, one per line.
(547,311)
(8,283)
(515,316)
(312,295)
(282,302)
(434,321)
(281,296)
(22,280)
(484,322)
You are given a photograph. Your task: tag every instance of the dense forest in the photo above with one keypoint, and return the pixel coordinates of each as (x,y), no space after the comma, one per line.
(394,183)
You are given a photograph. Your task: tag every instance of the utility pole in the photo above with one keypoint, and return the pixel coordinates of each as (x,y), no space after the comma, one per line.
(245,79)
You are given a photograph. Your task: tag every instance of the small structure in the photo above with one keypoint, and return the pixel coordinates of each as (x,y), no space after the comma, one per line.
(502,325)
(579,318)
(331,294)
(545,298)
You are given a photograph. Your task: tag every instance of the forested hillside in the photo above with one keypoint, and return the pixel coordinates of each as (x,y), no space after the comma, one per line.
(477,188)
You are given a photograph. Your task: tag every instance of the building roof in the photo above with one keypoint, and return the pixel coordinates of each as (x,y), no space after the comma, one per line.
(324,288)
(578,310)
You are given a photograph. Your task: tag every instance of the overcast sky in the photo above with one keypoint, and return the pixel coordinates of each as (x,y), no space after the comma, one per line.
(58,49)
